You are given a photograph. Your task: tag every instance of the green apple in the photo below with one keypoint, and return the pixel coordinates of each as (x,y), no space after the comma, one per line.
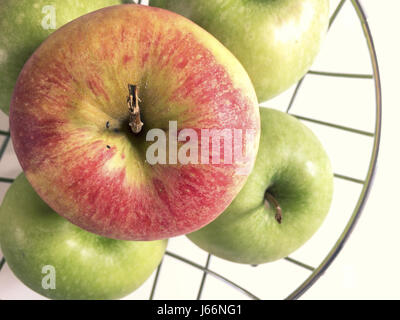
(275,40)
(284,201)
(24,24)
(60,261)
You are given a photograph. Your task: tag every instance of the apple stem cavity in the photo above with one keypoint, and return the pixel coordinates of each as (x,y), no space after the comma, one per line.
(134,110)
(269,198)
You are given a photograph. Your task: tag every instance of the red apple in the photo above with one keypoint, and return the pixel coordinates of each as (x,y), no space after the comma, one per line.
(70,122)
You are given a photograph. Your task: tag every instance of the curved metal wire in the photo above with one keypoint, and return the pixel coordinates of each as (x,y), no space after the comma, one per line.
(316,272)
(371,172)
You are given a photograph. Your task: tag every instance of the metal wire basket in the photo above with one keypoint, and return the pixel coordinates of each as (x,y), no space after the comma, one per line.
(210,267)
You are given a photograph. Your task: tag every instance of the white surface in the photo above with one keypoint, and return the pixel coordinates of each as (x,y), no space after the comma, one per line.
(367,267)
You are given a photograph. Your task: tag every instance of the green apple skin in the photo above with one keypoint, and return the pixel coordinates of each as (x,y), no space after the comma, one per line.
(276,41)
(21,32)
(87,266)
(293,166)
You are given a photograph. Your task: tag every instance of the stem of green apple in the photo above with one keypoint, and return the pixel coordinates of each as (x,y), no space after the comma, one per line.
(269,198)
(134,110)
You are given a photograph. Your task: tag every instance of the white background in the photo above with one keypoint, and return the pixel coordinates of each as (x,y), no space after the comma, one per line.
(367,267)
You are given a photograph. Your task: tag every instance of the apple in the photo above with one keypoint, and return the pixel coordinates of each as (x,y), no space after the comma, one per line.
(24,24)
(61,261)
(284,201)
(276,41)
(84,146)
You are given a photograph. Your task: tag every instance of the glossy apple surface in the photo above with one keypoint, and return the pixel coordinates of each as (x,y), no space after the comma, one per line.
(24,24)
(293,167)
(69,122)
(87,266)
(275,40)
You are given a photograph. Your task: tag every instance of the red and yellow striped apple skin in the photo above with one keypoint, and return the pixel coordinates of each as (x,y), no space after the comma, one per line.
(99,179)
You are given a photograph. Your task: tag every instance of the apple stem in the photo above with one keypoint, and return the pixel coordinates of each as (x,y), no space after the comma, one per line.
(270,199)
(134,110)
